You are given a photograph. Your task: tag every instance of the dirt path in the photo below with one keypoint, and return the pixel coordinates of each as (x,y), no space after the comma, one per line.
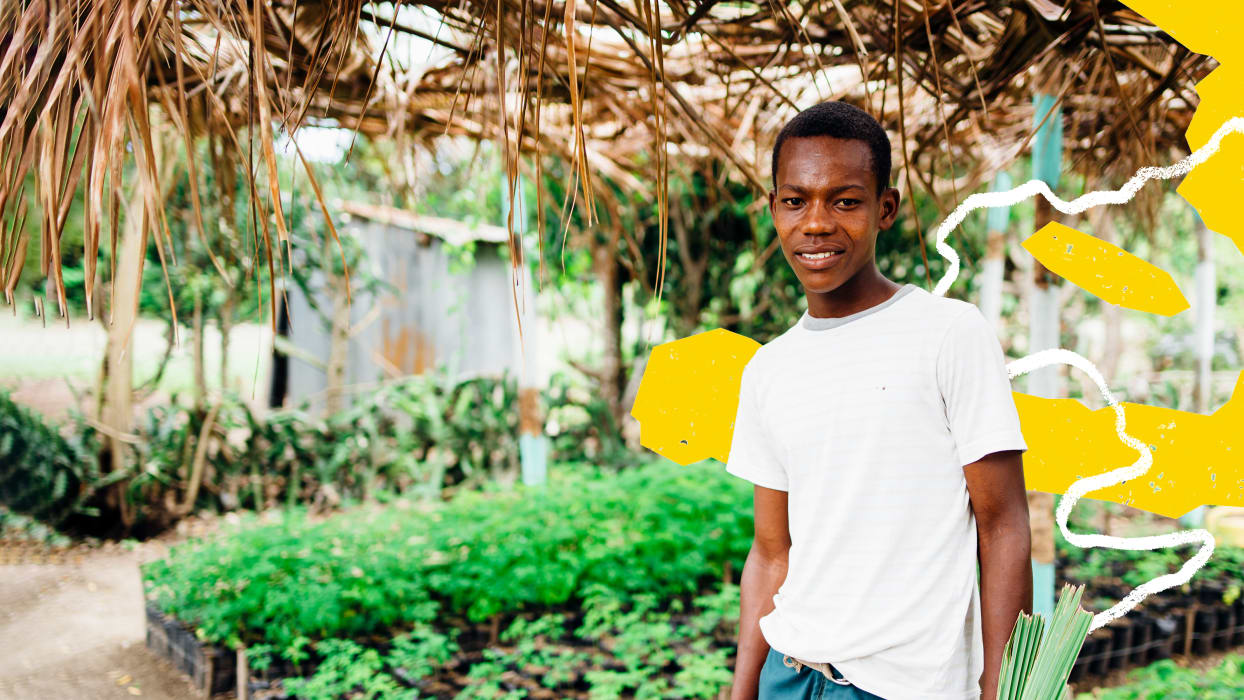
(72,625)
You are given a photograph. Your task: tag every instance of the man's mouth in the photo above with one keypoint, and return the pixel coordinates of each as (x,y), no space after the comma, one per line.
(820,260)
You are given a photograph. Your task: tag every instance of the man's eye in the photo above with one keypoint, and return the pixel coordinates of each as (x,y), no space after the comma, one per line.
(849,202)
(793,201)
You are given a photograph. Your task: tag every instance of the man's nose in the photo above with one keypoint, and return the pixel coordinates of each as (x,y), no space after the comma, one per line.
(819,219)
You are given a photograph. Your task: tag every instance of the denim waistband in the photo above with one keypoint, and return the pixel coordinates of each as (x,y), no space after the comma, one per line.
(825,669)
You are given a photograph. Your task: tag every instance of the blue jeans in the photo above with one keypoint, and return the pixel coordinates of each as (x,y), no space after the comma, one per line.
(781,682)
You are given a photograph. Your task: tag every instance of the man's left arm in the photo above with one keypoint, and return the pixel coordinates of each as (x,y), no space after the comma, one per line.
(996,488)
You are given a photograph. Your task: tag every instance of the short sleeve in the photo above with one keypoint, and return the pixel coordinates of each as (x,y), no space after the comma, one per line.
(972,376)
(753,454)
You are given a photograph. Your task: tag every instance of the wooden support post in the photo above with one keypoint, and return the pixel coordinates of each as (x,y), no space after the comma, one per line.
(1043,326)
(533,444)
(244,673)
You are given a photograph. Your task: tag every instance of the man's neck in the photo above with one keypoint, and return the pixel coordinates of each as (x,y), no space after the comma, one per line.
(863,291)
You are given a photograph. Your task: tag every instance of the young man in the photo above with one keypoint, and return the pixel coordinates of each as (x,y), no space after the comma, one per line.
(885,449)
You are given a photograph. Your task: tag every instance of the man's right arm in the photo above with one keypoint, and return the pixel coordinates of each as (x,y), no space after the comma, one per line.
(763,574)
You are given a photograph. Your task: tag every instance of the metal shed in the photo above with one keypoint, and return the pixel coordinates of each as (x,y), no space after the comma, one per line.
(438,314)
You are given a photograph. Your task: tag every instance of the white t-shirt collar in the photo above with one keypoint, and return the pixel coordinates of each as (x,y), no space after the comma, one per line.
(812,323)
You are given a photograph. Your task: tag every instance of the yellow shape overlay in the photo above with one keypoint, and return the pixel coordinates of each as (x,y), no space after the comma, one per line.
(1196,458)
(1221,99)
(1216,187)
(689,394)
(1213,27)
(1106,270)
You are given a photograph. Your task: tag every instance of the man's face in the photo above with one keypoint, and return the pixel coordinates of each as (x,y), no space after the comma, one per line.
(827,211)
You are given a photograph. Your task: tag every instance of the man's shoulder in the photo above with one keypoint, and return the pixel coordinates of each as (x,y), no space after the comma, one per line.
(771,353)
(939,312)
(765,353)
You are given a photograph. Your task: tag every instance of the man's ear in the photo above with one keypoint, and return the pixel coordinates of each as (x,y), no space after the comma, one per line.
(772,200)
(889,208)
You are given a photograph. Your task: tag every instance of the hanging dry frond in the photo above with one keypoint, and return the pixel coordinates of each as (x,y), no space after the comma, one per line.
(86,85)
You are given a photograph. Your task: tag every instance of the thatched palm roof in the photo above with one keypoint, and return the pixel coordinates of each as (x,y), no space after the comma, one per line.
(613,86)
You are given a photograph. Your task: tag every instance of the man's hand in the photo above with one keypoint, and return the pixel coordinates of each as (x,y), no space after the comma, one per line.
(763,574)
(1004,544)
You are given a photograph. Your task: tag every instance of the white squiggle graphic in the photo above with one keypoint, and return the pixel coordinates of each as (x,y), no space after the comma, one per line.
(1045,358)
(1136,470)
(989,200)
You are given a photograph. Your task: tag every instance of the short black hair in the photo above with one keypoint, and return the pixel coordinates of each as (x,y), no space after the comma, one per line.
(841,121)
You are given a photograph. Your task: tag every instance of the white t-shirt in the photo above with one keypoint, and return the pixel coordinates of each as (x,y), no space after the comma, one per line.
(867,422)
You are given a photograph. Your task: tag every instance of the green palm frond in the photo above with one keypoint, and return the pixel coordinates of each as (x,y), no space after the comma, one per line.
(1038,659)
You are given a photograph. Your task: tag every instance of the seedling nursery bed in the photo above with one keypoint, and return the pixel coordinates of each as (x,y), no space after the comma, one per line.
(1166,625)
(583,587)
(214,669)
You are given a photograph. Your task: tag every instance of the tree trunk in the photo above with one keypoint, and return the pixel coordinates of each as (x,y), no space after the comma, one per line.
(200,373)
(994,266)
(694,267)
(991,284)
(613,374)
(225,323)
(117,412)
(338,349)
(1206,300)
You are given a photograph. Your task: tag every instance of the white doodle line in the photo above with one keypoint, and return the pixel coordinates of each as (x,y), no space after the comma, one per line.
(1045,358)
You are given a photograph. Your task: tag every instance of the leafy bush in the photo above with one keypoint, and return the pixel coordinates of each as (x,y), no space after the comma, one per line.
(581,426)
(661,530)
(418,436)
(44,475)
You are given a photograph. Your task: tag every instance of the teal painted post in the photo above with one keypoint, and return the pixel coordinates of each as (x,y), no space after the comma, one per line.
(997,218)
(1047,146)
(1047,152)
(533,444)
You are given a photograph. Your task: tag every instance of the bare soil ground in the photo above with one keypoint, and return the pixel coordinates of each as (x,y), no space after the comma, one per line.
(72,623)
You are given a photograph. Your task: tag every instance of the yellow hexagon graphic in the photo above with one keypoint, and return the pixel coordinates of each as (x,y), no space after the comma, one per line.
(689,394)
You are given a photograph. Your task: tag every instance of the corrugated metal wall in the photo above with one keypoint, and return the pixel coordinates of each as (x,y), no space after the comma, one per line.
(464,321)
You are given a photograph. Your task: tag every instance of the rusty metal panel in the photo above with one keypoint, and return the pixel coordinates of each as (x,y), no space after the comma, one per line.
(431,317)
